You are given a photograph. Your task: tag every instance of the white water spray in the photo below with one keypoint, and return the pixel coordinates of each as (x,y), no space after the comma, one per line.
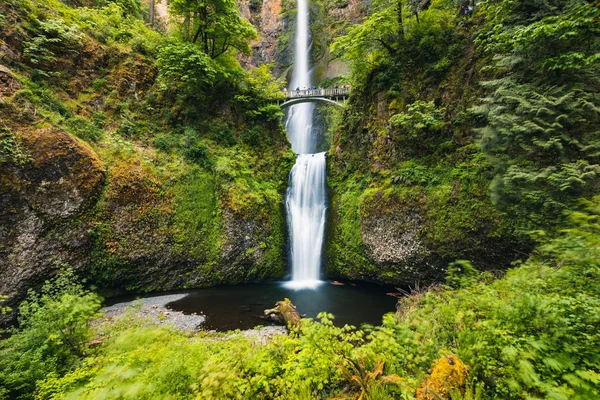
(306,199)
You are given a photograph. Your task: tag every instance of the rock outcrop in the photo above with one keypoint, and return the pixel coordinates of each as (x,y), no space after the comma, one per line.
(8,83)
(47,182)
(267,18)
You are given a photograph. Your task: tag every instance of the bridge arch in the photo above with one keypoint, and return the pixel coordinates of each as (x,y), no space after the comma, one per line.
(298,100)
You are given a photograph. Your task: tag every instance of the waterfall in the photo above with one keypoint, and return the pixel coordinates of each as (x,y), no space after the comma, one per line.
(306,206)
(306,197)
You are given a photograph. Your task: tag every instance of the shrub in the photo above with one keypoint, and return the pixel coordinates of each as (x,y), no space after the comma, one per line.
(10,150)
(420,127)
(129,128)
(53,37)
(165,142)
(252,137)
(52,338)
(221,132)
(4,309)
(84,129)
(448,374)
(199,153)
(185,64)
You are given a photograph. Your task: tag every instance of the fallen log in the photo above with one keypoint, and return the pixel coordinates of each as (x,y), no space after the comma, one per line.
(284,313)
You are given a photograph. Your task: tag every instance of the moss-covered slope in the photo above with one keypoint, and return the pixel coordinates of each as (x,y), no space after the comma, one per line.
(409,181)
(128,180)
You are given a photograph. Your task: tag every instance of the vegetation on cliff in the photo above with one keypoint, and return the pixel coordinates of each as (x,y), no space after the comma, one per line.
(192,157)
(464,133)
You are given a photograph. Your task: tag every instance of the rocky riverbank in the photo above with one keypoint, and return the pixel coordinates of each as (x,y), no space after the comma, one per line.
(155,310)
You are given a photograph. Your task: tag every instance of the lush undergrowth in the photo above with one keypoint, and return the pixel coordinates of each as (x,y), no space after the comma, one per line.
(530,334)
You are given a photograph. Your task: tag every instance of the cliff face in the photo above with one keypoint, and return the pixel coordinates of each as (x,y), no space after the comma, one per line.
(40,201)
(94,175)
(270,21)
(135,221)
(409,182)
(329,20)
(48,179)
(275,23)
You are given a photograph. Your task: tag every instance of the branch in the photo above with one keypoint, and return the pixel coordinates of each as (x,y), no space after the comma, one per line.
(387,47)
(223,48)
(197,34)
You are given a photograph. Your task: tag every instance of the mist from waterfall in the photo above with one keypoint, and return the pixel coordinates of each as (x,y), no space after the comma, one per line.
(306,197)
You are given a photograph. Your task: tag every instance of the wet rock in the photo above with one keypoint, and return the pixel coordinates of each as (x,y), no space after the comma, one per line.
(7,54)
(393,237)
(241,246)
(268,20)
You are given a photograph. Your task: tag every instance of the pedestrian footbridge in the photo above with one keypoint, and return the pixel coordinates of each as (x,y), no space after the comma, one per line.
(335,96)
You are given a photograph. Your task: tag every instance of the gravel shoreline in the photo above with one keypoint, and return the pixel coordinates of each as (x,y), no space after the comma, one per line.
(155,309)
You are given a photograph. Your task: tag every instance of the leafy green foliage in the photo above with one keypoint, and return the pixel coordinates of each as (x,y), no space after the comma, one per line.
(419,117)
(461,273)
(530,334)
(252,137)
(134,8)
(540,119)
(118,23)
(53,335)
(132,93)
(214,26)
(10,151)
(4,309)
(84,128)
(165,142)
(197,152)
(420,127)
(53,37)
(186,64)
(412,44)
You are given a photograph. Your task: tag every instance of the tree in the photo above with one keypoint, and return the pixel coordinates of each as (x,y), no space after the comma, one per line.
(53,336)
(540,120)
(214,25)
(185,64)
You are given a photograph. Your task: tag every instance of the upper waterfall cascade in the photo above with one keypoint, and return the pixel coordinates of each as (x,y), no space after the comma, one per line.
(306,198)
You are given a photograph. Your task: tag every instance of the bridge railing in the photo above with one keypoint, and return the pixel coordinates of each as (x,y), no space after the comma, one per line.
(333,92)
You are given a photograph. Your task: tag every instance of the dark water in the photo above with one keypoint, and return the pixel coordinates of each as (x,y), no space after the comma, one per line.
(240,307)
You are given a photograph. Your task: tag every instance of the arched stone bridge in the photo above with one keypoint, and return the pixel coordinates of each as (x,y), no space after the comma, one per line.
(335,96)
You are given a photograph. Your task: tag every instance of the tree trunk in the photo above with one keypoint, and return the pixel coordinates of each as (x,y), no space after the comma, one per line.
(151,16)
(400,20)
(284,313)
